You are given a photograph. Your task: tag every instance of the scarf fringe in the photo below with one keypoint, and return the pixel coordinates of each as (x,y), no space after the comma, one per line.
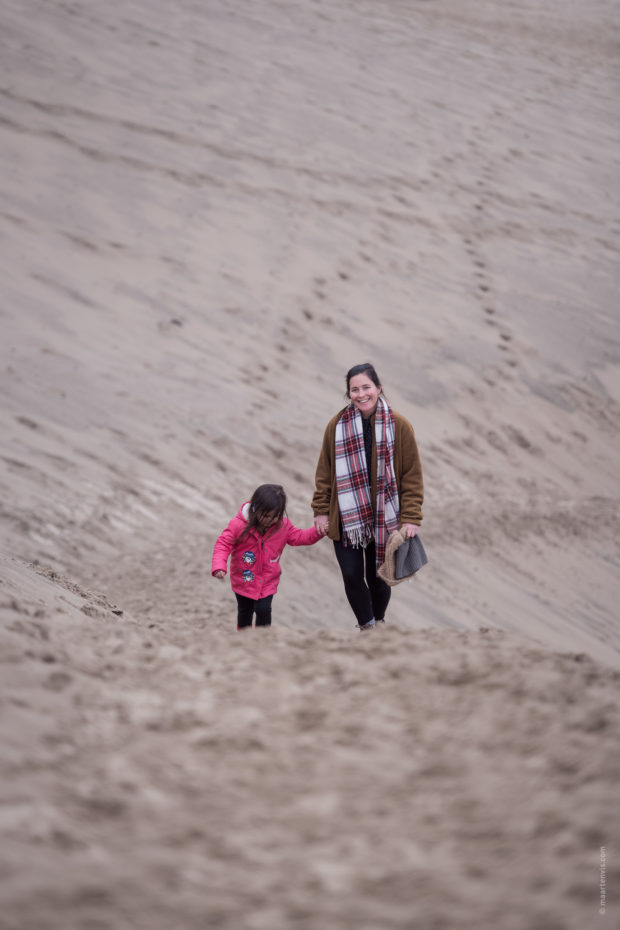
(357,537)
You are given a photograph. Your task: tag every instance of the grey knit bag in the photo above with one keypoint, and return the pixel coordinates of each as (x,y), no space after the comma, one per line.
(410,557)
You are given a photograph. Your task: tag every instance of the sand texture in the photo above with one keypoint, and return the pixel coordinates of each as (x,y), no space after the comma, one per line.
(209,211)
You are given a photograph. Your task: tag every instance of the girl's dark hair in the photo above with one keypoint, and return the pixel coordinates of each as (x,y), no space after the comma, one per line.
(365,369)
(267,498)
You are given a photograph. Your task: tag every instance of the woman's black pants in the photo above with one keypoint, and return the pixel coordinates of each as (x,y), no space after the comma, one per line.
(246,607)
(367,593)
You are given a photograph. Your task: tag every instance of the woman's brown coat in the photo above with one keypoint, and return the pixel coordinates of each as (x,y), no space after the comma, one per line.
(407,468)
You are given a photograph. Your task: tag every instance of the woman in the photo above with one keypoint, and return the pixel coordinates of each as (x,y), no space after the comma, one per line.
(368,483)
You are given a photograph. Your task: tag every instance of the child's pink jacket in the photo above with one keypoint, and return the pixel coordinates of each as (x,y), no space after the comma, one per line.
(255,560)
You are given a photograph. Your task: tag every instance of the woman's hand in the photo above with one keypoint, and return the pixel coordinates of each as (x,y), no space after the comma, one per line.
(321,522)
(219,574)
(410,530)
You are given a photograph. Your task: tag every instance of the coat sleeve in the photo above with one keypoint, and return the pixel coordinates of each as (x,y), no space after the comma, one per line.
(411,485)
(297,537)
(223,547)
(323,477)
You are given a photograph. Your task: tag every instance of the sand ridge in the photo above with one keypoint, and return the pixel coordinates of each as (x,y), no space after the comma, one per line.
(185,772)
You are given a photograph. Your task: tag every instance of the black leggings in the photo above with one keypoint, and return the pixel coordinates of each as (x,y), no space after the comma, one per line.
(246,607)
(367,593)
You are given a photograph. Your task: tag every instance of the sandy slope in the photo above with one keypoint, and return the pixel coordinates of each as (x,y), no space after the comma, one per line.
(182,775)
(209,212)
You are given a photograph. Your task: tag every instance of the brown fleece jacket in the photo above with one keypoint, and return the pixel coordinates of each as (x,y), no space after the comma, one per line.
(407,467)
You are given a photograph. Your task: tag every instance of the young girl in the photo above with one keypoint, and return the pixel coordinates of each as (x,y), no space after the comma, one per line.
(254,540)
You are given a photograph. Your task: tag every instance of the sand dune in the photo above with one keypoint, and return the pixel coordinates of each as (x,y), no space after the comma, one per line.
(175,773)
(209,212)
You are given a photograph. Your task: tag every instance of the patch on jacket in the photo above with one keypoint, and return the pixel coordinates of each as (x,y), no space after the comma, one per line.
(248,575)
(249,557)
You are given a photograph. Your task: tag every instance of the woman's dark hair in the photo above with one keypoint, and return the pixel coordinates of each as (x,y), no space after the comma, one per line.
(267,498)
(365,369)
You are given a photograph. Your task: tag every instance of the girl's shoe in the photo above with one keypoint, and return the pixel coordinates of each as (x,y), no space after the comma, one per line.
(367,626)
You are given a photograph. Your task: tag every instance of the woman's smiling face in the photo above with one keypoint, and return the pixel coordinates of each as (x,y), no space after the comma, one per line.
(364,394)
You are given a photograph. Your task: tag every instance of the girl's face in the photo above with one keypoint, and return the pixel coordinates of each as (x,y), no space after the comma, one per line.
(364,394)
(267,519)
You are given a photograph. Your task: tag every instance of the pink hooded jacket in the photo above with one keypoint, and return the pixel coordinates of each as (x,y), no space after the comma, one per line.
(255,559)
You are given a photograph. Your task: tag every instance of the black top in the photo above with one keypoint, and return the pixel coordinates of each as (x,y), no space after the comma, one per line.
(368,446)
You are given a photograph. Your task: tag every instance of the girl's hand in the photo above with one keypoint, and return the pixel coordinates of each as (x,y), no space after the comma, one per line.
(219,574)
(410,530)
(321,523)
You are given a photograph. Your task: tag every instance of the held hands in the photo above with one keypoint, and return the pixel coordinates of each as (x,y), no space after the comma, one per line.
(219,574)
(410,529)
(321,523)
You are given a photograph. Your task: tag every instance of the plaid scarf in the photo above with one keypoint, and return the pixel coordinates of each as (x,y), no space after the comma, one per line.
(354,495)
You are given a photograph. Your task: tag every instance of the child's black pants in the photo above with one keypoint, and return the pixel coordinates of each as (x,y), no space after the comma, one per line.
(246,607)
